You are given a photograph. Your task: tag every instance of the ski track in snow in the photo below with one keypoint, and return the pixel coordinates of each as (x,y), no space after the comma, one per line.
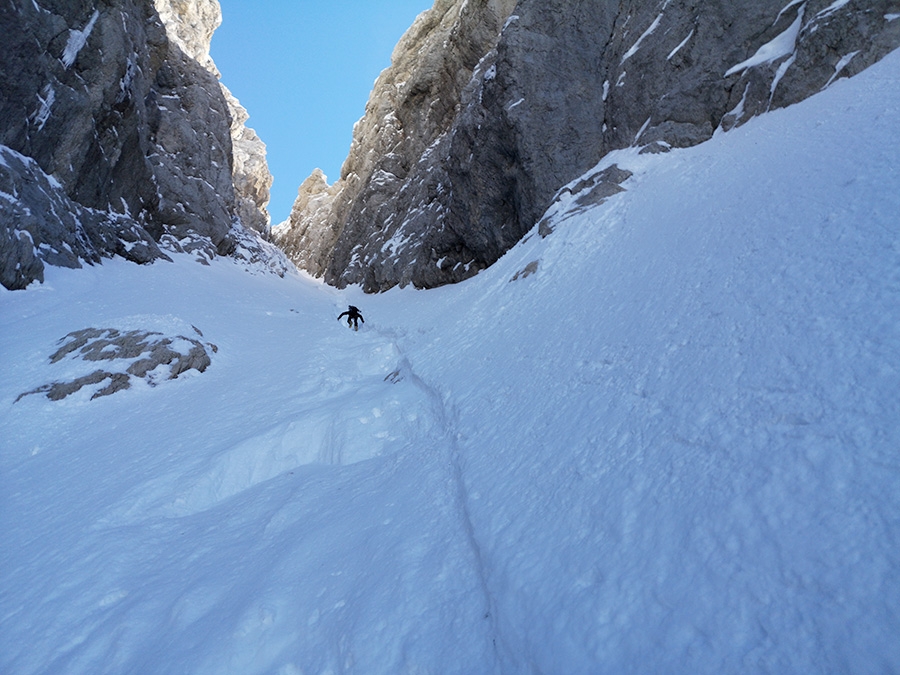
(671,448)
(448,425)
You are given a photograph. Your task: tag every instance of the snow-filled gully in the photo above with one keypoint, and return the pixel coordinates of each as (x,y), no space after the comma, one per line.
(670,448)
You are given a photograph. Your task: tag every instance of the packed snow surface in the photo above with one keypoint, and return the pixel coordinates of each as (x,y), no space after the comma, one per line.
(672,447)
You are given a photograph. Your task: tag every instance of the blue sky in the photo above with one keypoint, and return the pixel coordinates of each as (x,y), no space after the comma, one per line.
(304,70)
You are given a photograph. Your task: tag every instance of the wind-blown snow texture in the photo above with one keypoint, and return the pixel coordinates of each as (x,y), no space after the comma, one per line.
(669,448)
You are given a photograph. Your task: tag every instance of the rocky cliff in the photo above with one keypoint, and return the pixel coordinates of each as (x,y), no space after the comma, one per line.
(119,138)
(490,108)
(412,106)
(190,25)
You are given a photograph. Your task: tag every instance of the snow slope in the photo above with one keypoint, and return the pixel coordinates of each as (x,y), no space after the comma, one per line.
(672,448)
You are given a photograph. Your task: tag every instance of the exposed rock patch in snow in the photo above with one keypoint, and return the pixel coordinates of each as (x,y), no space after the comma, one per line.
(588,191)
(136,354)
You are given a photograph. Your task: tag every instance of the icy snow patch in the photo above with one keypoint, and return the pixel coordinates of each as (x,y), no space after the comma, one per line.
(43,113)
(512,19)
(678,48)
(397,242)
(832,8)
(382,178)
(782,69)
(782,45)
(738,111)
(840,65)
(77,40)
(642,130)
(631,52)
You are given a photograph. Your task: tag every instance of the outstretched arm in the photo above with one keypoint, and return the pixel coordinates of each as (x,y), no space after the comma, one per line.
(343,314)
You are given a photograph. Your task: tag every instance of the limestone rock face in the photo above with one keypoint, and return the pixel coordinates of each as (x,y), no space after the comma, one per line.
(119,106)
(530,95)
(191,24)
(250,173)
(305,241)
(384,180)
(41,224)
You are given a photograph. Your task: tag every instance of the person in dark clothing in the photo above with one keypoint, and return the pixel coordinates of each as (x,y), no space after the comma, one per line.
(353,317)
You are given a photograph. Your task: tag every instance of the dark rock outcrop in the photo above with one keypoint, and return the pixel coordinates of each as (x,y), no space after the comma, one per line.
(439,184)
(39,223)
(133,355)
(123,113)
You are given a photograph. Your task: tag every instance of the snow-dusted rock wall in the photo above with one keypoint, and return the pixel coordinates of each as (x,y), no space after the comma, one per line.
(39,223)
(389,175)
(120,107)
(452,179)
(249,171)
(191,24)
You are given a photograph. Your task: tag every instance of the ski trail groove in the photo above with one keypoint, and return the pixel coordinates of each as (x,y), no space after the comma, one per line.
(446,417)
